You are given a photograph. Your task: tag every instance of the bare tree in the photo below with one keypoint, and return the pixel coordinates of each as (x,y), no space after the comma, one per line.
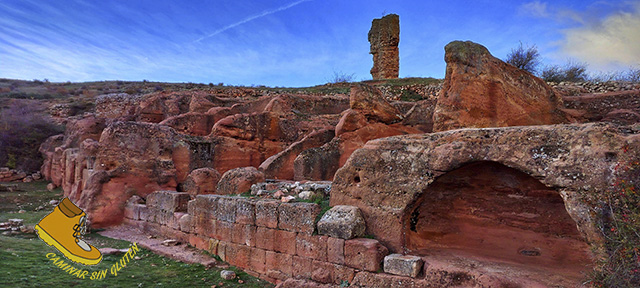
(526,58)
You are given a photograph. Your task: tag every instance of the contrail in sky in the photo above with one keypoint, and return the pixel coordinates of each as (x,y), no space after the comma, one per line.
(251,18)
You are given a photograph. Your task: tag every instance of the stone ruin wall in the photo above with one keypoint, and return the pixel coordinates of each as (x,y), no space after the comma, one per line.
(277,241)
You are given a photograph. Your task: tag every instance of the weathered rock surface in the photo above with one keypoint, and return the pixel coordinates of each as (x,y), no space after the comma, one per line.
(239,180)
(483,91)
(201,181)
(130,159)
(120,107)
(369,101)
(191,123)
(384,37)
(281,165)
(343,222)
(386,176)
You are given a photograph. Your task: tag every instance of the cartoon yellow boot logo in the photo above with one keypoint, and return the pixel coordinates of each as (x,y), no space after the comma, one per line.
(63,229)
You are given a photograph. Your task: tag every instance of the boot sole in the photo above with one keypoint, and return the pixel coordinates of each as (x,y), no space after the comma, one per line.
(52,242)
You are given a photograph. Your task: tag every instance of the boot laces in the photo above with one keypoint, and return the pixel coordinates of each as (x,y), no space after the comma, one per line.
(80,229)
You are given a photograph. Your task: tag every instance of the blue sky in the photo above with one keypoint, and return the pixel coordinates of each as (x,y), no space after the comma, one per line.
(294,42)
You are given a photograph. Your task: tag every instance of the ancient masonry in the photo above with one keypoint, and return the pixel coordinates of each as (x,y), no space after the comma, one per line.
(491,173)
(384,37)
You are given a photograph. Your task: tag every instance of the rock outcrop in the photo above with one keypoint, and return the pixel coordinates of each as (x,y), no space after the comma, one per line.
(384,37)
(483,91)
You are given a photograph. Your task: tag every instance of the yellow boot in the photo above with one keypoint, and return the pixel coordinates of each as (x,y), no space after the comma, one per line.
(63,229)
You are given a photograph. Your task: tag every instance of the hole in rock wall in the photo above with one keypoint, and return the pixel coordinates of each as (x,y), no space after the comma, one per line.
(489,211)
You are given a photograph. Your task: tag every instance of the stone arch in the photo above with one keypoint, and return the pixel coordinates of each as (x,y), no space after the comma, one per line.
(487,210)
(392,172)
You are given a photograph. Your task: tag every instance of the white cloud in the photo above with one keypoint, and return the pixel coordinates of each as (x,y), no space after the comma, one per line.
(611,43)
(535,8)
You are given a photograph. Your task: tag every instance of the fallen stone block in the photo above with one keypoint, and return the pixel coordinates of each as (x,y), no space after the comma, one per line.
(403,265)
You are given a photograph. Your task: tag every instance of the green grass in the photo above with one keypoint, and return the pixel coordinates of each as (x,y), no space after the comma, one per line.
(24,262)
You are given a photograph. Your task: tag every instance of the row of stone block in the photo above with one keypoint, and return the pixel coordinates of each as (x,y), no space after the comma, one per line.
(294,217)
(356,261)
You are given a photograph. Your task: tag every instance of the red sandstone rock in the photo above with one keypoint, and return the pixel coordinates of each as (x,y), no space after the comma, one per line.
(304,105)
(239,180)
(351,120)
(384,37)
(369,101)
(201,181)
(482,91)
(280,166)
(420,116)
(159,106)
(192,123)
(262,126)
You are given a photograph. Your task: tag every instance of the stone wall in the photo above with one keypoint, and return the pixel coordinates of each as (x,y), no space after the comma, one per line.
(278,241)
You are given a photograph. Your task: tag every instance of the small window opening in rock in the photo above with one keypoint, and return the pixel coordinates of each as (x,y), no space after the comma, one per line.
(356,179)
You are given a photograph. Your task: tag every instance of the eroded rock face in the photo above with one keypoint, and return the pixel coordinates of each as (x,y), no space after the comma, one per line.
(130,159)
(239,180)
(384,37)
(387,175)
(483,91)
(369,101)
(201,181)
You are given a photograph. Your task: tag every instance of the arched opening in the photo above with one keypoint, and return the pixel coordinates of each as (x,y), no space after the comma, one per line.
(488,211)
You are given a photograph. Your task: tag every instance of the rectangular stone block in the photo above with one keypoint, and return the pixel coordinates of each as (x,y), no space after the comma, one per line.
(204,205)
(403,265)
(285,242)
(257,261)
(310,246)
(364,254)
(238,255)
(222,250)
(335,250)
(322,272)
(226,210)
(244,234)
(278,262)
(265,238)
(245,211)
(199,242)
(224,231)
(298,217)
(170,201)
(267,213)
(343,273)
(302,267)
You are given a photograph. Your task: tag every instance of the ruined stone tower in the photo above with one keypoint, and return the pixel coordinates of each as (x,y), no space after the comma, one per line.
(384,37)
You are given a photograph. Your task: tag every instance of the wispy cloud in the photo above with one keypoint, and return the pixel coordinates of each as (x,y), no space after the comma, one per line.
(251,18)
(535,8)
(608,43)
